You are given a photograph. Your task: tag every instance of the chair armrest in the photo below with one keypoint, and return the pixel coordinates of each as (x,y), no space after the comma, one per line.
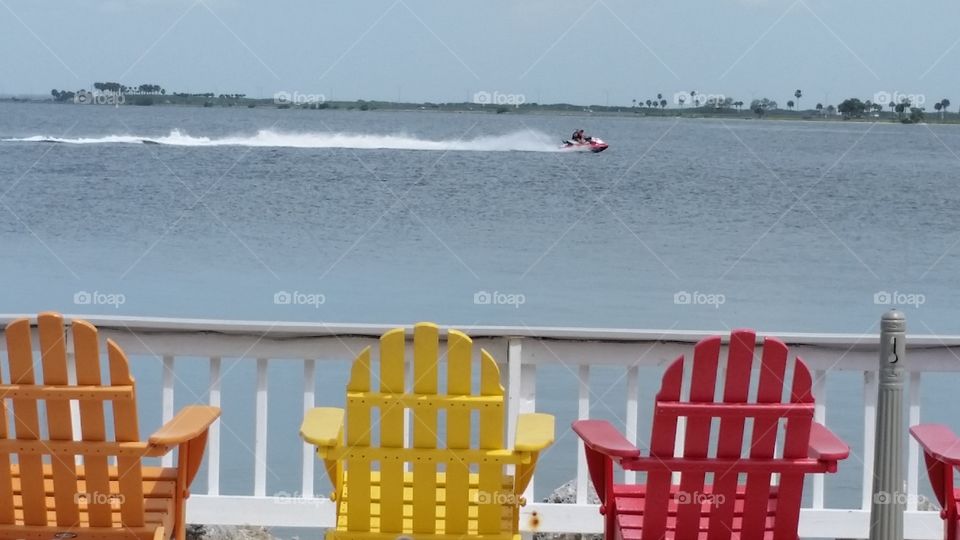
(938,441)
(188,424)
(600,436)
(322,426)
(535,431)
(825,446)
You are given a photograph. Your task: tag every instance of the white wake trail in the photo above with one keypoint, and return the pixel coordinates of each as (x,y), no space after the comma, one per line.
(522,141)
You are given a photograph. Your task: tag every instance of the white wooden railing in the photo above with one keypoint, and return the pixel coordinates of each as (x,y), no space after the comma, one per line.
(522,350)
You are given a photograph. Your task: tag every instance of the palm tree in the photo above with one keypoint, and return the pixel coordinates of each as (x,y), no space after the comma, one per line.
(682,99)
(945,103)
(798,94)
(649,103)
(663,103)
(938,106)
(790,104)
(820,109)
(634,104)
(693,98)
(892,106)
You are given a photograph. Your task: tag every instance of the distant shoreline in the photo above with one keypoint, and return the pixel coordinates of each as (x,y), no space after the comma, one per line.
(560,109)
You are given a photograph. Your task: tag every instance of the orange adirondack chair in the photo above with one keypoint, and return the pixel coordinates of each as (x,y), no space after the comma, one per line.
(941,451)
(710,500)
(55,487)
(454,490)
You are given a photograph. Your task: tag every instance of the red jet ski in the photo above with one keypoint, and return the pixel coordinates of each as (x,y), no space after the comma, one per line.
(592,144)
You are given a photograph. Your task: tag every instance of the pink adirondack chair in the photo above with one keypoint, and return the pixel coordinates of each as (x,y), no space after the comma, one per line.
(710,500)
(941,451)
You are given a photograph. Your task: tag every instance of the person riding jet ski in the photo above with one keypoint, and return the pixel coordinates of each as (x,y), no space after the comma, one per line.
(578,137)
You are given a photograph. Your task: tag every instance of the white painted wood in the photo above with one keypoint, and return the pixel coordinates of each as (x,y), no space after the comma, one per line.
(309,402)
(167,401)
(870,387)
(514,382)
(550,518)
(213,437)
(819,415)
(583,412)
(633,392)
(260,437)
(528,404)
(913,449)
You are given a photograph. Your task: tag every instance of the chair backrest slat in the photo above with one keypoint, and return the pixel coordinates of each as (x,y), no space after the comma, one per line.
(425,356)
(86,349)
(26,422)
(795,446)
(459,361)
(391,429)
(763,440)
(53,353)
(126,429)
(491,438)
(736,389)
(358,435)
(662,444)
(706,356)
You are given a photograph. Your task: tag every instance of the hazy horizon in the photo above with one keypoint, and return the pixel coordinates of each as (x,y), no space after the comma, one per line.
(587,52)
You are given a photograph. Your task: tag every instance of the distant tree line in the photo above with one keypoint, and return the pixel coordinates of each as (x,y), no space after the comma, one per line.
(904,110)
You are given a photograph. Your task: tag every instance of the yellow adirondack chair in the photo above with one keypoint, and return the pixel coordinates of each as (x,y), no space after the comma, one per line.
(55,487)
(451,489)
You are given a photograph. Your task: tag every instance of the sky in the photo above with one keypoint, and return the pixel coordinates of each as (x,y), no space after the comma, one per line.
(547,51)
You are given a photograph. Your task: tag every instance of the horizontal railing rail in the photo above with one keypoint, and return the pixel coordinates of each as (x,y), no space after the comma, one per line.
(522,351)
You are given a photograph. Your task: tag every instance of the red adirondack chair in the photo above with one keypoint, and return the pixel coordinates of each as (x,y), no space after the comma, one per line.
(941,451)
(710,500)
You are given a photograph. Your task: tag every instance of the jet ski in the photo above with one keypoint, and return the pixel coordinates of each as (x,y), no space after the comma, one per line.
(592,144)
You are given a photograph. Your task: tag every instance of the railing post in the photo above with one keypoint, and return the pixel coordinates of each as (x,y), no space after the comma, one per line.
(889,497)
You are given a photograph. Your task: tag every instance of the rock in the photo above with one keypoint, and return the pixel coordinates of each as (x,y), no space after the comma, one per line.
(227,532)
(567,494)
